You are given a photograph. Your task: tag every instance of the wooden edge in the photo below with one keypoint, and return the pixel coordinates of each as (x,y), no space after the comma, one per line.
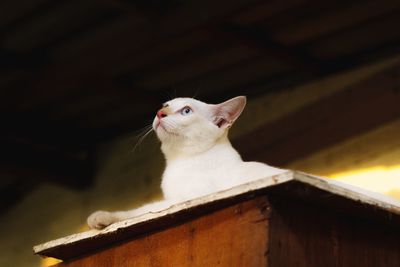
(46,249)
(351,192)
(63,248)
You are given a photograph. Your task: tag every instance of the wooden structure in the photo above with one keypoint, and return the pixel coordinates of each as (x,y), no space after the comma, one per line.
(292,219)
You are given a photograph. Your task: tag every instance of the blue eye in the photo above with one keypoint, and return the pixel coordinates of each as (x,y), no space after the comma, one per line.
(186,111)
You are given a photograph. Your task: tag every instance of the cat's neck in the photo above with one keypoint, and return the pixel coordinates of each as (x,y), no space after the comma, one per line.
(221,148)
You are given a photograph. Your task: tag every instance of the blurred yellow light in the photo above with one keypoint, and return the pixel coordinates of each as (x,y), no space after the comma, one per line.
(46,262)
(379,179)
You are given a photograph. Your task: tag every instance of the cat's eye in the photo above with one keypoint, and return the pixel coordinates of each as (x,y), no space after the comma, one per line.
(186,111)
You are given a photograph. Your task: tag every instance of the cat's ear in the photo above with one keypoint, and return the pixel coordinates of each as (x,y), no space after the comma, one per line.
(226,113)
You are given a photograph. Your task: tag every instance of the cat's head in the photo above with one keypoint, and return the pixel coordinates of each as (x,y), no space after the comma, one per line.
(187,125)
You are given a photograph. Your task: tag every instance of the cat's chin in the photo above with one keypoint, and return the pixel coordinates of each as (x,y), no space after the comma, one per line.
(162,131)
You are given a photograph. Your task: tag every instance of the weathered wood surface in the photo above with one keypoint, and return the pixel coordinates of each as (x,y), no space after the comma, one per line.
(235,236)
(305,235)
(78,244)
(308,203)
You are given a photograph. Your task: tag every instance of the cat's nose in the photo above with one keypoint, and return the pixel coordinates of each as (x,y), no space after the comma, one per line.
(161,114)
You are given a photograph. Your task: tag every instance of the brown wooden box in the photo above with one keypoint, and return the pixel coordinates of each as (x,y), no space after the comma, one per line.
(291,219)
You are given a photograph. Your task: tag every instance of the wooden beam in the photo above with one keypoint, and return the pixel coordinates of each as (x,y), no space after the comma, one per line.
(265,10)
(325,199)
(261,39)
(169,27)
(348,16)
(356,39)
(360,108)
(168,50)
(18,14)
(41,29)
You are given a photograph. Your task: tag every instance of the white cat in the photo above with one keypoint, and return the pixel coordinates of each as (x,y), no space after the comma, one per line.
(200,158)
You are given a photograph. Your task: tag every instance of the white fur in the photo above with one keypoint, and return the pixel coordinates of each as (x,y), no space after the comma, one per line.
(200,159)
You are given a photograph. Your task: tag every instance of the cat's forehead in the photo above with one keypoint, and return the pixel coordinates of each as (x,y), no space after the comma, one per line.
(181,102)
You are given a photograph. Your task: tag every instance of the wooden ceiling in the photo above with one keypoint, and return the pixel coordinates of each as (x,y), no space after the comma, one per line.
(78,73)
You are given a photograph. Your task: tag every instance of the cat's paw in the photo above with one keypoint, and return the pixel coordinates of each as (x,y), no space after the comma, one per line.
(100,219)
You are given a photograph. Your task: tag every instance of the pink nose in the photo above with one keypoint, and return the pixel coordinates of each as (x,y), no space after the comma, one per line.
(161,114)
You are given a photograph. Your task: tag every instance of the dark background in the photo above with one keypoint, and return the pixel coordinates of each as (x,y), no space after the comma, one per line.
(76,74)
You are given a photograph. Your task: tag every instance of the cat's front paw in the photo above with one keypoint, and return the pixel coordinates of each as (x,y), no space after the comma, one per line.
(100,219)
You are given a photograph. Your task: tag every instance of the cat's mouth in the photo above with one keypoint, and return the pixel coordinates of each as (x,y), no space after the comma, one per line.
(159,125)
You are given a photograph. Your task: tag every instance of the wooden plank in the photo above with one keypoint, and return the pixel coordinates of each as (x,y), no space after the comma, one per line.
(263,40)
(163,52)
(305,234)
(341,197)
(298,13)
(234,236)
(357,38)
(264,10)
(65,17)
(302,241)
(167,27)
(75,245)
(359,245)
(196,64)
(244,72)
(214,35)
(364,205)
(333,20)
(294,135)
(13,14)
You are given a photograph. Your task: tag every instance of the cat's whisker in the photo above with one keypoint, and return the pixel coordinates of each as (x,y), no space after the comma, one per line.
(141,136)
(143,129)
